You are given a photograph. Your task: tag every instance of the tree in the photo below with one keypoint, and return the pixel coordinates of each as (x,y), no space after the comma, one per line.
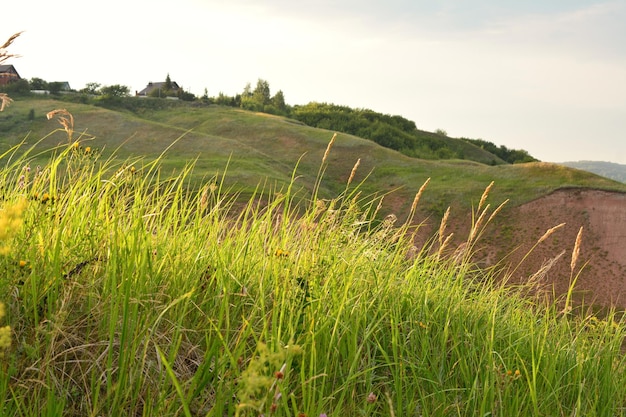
(247,90)
(168,83)
(91,88)
(261,93)
(278,101)
(16,87)
(185,95)
(115,90)
(257,100)
(55,87)
(38,84)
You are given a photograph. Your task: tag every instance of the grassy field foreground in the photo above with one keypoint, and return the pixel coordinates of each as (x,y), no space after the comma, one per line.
(125,293)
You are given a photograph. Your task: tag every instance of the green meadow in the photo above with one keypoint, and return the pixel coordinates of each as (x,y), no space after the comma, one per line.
(208,261)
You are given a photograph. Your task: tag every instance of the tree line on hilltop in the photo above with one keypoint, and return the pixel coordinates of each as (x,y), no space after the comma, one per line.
(391,131)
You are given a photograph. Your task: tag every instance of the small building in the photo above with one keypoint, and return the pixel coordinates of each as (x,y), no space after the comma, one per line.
(157,86)
(8,74)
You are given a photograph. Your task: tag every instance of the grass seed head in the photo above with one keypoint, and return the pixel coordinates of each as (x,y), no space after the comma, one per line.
(442,226)
(576,251)
(4,55)
(479,222)
(354,168)
(419,195)
(329,147)
(485,195)
(5,100)
(65,119)
(549,232)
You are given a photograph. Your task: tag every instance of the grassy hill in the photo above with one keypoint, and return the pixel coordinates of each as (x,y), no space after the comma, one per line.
(256,146)
(127,296)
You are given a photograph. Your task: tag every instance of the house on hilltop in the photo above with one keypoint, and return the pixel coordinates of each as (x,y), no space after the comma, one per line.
(160,86)
(8,74)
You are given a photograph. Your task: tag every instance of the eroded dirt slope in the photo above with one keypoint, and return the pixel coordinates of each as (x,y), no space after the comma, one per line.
(602,215)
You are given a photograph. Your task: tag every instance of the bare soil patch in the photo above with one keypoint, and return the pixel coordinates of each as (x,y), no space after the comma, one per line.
(602,262)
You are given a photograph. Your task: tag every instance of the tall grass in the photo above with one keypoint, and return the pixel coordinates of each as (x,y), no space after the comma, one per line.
(129,293)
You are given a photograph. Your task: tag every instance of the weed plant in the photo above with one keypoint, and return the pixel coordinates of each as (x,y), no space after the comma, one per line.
(129,293)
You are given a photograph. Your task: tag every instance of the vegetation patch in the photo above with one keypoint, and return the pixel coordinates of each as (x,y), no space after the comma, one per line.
(128,292)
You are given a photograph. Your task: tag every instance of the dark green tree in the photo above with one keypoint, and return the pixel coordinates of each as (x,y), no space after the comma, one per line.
(55,87)
(38,84)
(115,90)
(21,87)
(168,83)
(185,95)
(91,88)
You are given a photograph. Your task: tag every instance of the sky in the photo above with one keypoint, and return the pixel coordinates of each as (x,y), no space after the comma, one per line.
(547,76)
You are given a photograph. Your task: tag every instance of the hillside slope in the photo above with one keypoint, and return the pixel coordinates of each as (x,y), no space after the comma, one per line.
(258,148)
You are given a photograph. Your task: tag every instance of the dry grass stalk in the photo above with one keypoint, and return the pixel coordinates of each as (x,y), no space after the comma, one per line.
(549,232)
(5,100)
(474,231)
(354,168)
(380,204)
(459,254)
(328,148)
(444,245)
(576,251)
(442,226)
(204,198)
(419,195)
(497,210)
(4,55)
(66,120)
(543,271)
(484,196)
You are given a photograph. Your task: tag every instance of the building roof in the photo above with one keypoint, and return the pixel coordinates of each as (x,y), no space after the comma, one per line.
(154,86)
(9,69)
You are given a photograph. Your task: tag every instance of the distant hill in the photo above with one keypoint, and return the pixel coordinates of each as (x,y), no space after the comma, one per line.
(257,146)
(609,170)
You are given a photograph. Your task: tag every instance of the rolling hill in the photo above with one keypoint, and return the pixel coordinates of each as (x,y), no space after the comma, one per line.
(257,148)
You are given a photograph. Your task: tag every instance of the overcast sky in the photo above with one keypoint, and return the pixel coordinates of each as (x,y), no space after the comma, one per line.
(548,76)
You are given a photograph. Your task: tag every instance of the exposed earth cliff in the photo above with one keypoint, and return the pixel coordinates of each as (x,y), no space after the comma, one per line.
(602,214)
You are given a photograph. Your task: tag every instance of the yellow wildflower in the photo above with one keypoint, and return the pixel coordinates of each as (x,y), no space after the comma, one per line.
(10,221)
(5,332)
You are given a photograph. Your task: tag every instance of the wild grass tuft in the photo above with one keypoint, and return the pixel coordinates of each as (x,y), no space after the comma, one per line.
(129,292)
